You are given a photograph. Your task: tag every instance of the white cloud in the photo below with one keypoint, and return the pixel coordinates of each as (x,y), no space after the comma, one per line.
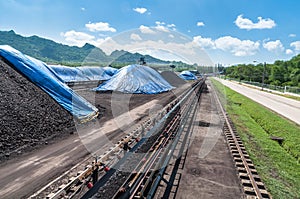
(140,10)
(273,46)
(135,37)
(146,30)
(172,26)
(178,49)
(186,51)
(204,42)
(230,44)
(296,45)
(292,35)
(244,23)
(160,23)
(99,26)
(82,9)
(288,51)
(200,23)
(236,46)
(77,38)
(161,26)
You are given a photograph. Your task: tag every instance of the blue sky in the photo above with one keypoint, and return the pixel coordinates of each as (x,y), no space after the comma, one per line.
(229,31)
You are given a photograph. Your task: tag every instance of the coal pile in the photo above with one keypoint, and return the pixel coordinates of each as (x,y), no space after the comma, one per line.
(172,78)
(28,116)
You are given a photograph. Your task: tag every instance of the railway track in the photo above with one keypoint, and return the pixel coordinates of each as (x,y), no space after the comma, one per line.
(137,171)
(252,185)
(77,180)
(138,174)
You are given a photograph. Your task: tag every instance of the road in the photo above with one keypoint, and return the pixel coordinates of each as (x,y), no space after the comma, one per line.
(22,176)
(286,107)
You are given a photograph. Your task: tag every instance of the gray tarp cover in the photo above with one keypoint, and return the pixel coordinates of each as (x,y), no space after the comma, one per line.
(136,79)
(187,75)
(83,73)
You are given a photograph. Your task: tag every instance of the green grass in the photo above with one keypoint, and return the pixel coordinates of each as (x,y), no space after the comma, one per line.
(277,165)
(291,97)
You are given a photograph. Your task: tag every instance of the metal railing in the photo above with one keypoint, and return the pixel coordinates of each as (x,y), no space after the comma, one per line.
(282,89)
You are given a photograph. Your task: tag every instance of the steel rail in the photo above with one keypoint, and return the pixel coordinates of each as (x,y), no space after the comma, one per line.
(139,182)
(241,153)
(158,126)
(147,171)
(189,116)
(73,182)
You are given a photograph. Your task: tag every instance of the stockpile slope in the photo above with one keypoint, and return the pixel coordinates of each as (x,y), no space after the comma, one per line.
(45,78)
(28,116)
(172,78)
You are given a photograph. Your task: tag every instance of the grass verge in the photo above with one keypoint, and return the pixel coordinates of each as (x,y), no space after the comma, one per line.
(277,165)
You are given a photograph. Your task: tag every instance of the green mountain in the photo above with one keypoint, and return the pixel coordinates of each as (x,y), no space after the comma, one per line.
(127,57)
(50,51)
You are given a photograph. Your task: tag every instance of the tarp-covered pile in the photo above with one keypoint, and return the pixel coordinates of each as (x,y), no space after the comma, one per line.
(136,79)
(45,78)
(187,75)
(77,74)
(110,70)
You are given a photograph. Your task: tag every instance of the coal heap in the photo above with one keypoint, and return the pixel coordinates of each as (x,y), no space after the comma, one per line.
(28,116)
(172,78)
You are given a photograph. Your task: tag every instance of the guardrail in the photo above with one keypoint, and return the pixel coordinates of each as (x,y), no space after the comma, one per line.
(282,89)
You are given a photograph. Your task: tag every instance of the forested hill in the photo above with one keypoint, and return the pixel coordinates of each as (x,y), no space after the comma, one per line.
(280,73)
(50,51)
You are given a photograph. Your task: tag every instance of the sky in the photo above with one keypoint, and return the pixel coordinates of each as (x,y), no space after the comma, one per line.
(222,31)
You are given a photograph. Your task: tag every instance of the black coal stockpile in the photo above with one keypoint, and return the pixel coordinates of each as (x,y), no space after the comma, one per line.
(172,78)
(28,116)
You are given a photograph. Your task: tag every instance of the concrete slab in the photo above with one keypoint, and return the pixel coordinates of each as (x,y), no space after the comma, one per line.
(209,171)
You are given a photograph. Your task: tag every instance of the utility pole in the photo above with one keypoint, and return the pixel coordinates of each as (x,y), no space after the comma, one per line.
(263,77)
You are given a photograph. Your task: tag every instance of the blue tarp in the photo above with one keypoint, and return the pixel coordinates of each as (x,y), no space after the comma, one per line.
(110,70)
(77,74)
(136,79)
(187,75)
(45,78)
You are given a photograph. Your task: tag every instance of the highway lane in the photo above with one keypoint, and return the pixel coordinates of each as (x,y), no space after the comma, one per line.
(286,107)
